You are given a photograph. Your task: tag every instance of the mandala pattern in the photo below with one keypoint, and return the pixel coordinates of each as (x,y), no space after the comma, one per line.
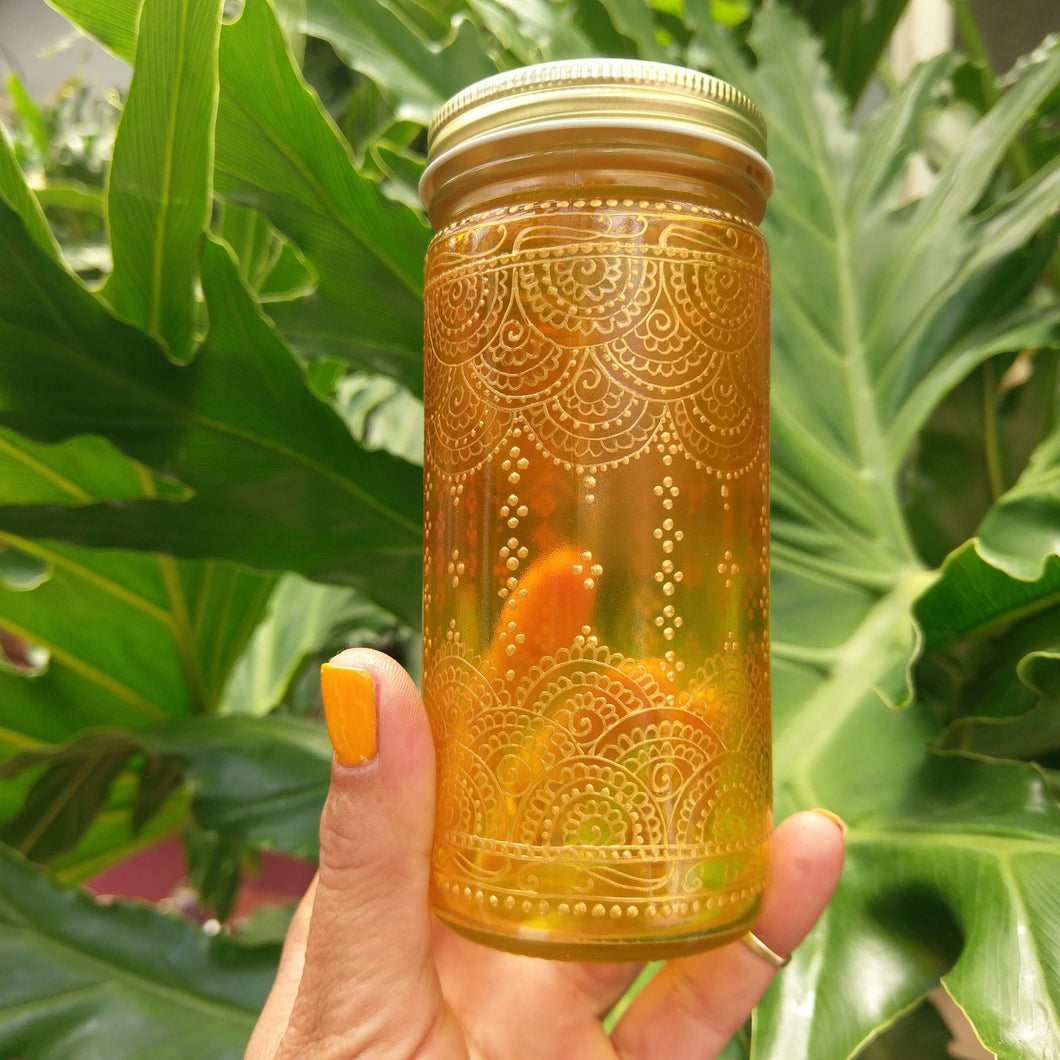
(596,567)
(592,329)
(642,798)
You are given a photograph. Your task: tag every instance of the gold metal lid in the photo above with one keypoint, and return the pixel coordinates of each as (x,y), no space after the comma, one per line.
(615,92)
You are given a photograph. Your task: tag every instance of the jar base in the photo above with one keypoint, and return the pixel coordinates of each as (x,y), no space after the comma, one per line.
(570,946)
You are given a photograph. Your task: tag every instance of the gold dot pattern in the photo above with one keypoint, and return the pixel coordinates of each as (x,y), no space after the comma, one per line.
(596,648)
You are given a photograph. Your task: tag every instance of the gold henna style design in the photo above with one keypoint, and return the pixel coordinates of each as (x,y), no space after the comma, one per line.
(575,353)
(590,343)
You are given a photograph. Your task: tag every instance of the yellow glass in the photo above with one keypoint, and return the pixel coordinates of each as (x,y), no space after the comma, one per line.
(596,560)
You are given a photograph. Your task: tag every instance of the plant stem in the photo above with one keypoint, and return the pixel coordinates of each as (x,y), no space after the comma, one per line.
(991,446)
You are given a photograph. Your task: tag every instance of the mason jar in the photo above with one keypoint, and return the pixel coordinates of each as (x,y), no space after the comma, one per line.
(596,553)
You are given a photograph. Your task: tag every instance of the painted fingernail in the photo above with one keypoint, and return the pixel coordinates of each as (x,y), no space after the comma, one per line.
(834,818)
(349,709)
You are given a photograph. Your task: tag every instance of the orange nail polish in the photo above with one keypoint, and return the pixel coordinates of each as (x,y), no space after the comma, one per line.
(349,708)
(834,818)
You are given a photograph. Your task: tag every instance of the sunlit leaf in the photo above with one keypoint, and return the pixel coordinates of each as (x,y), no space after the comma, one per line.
(381,41)
(13,189)
(301,620)
(320,503)
(159,190)
(1024,527)
(277,150)
(112,22)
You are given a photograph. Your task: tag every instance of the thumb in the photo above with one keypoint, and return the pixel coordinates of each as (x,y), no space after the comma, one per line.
(369,985)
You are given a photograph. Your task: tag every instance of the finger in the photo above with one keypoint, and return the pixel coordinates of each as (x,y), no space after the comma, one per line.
(695,1004)
(276,1013)
(369,987)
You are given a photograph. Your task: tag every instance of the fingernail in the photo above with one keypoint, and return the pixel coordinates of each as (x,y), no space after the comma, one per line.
(834,818)
(349,709)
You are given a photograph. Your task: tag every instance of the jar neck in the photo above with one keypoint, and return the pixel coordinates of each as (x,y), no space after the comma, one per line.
(519,170)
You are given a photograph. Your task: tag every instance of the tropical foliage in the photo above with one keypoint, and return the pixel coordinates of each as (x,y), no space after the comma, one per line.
(208,478)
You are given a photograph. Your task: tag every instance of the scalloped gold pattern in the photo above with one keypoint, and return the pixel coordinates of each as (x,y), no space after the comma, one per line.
(593,328)
(601,705)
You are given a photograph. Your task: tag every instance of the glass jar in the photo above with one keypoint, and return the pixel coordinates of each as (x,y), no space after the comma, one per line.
(596,558)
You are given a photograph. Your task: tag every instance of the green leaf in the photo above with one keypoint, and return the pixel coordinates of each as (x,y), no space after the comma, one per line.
(112,22)
(1033,735)
(77,983)
(319,503)
(27,112)
(1024,526)
(68,796)
(854,35)
(533,31)
(633,19)
(291,15)
(159,189)
(380,40)
(946,863)
(126,639)
(263,780)
(77,471)
(382,415)
(301,622)
(115,834)
(921,1032)
(278,151)
(158,781)
(131,639)
(972,598)
(974,447)
(14,191)
(901,302)
(73,195)
(992,649)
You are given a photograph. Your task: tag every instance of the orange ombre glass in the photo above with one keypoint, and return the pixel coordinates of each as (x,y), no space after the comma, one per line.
(596,560)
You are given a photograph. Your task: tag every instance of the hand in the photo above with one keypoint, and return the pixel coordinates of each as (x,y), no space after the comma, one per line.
(367,971)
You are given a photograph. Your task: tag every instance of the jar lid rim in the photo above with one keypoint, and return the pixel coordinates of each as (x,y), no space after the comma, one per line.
(598,87)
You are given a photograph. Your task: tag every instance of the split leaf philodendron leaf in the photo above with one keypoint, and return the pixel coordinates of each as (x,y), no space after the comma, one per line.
(112,22)
(419,74)
(973,598)
(14,191)
(76,982)
(303,618)
(159,188)
(130,638)
(947,863)
(889,317)
(310,497)
(121,638)
(277,150)
(261,779)
(1024,526)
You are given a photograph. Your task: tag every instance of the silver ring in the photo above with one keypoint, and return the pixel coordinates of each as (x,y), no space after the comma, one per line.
(760,949)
